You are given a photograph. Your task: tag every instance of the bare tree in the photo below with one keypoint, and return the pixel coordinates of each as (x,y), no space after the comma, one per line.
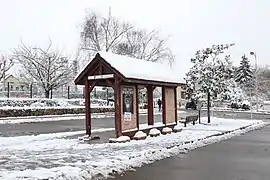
(102,33)
(112,34)
(145,45)
(48,68)
(5,64)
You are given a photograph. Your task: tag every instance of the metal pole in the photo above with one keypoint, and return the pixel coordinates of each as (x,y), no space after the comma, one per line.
(251,102)
(68,92)
(208,107)
(256,76)
(4,74)
(8,89)
(256,79)
(31,90)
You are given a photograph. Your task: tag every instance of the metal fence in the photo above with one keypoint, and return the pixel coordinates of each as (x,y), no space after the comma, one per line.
(33,91)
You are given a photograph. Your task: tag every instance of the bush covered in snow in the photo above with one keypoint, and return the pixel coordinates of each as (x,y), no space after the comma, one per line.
(33,102)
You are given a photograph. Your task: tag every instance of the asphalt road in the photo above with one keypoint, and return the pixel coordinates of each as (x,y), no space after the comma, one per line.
(245,157)
(61,126)
(77,125)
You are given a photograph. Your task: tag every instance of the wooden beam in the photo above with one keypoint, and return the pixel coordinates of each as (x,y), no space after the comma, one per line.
(175,103)
(137,108)
(150,105)
(104,76)
(87,107)
(163,105)
(150,82)
(100,67)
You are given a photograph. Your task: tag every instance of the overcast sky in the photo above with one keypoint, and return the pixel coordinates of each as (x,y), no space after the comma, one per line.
(191,24)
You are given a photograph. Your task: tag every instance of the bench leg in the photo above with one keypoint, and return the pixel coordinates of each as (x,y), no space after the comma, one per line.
(185,124)
(193,122)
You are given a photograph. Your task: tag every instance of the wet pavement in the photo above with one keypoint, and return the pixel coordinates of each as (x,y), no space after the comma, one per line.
(61,126)
(108,122)
(245,157)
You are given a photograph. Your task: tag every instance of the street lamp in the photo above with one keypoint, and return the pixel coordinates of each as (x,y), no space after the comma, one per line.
(256,81)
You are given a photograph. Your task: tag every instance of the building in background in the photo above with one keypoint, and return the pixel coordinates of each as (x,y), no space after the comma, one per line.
(16,87)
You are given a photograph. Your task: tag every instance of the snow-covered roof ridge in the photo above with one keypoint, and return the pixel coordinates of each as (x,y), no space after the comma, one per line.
(141,69)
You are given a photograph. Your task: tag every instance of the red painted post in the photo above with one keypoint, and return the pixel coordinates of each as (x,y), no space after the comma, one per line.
(87,107)
(117,106)
(150,105)
(175,103)
(163,105)
(137,107)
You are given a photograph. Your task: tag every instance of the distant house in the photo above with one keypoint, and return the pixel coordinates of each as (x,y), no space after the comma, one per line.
(16,87)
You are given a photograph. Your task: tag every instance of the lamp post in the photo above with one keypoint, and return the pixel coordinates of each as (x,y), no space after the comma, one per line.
(256,79)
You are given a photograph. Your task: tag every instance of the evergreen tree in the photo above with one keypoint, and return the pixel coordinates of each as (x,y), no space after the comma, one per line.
(244,73)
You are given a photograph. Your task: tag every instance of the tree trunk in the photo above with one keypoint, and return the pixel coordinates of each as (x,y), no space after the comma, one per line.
(208,107)
(47,94)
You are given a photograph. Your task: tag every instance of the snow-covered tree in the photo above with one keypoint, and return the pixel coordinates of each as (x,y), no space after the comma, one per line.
(233,92)
(210,73)
(48,68)
(264,81)
(244,73)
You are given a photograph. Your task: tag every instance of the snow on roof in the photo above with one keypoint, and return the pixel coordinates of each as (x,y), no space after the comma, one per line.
(141,69)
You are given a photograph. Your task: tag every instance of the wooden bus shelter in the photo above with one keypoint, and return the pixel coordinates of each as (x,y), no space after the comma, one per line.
(126,76)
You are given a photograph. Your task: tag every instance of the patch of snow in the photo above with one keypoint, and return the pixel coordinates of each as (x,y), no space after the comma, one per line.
(140,134)
(154,132)
(177,128)
(120,139)
(60,158)
(166,130)
(133,69)
(50,118)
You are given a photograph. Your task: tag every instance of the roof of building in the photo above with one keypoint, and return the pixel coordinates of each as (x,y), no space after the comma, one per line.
(132,68)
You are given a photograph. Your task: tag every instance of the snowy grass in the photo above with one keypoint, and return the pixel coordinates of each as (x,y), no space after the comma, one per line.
(59,157)
(65,117)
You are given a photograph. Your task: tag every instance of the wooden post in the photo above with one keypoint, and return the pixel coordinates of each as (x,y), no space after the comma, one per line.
(175,104)
(117,106)
(150,105)
(137,108)
(87,107)
(163,105)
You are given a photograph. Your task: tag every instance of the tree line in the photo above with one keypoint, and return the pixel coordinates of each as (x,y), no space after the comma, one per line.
(212,73)
(50,68)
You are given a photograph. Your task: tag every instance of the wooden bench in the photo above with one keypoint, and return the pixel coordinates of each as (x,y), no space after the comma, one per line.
(189,119)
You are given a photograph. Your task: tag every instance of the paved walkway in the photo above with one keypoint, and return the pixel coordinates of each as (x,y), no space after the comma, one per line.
(246,157)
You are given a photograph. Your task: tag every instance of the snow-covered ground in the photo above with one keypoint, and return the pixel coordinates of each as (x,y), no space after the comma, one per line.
(60,156)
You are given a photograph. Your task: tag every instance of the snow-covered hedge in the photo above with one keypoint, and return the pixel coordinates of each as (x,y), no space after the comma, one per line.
(42,102)
(40,111)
